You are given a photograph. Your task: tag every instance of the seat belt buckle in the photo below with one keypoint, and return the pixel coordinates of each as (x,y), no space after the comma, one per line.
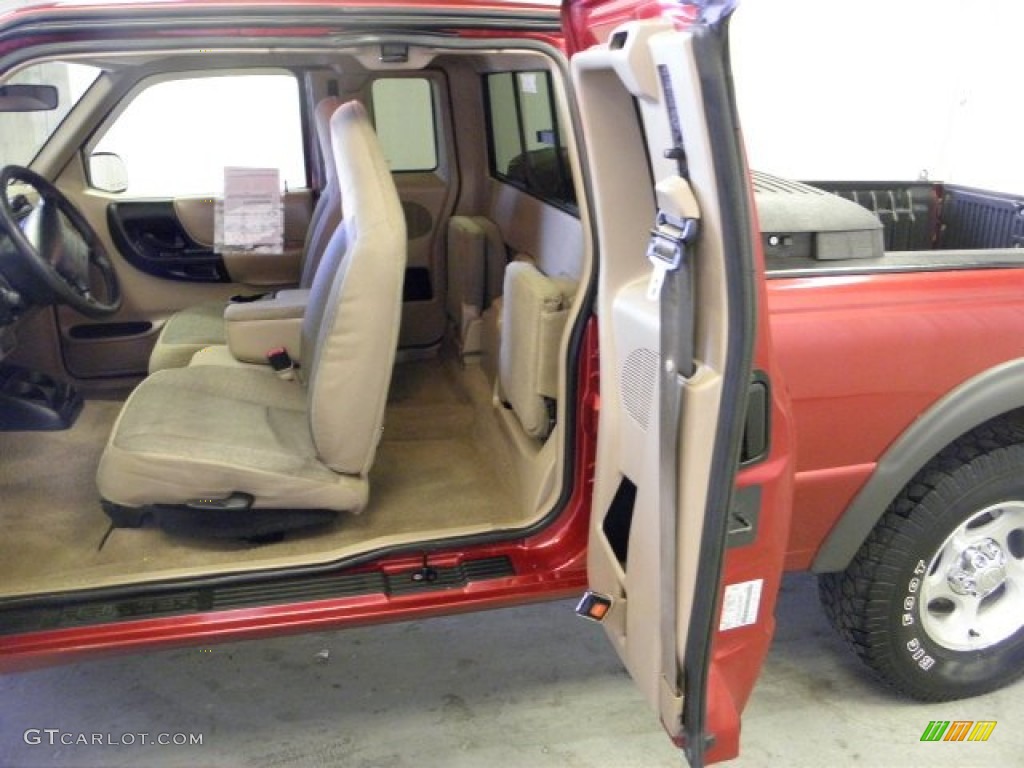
(248,298)
(667,248)
(282,363)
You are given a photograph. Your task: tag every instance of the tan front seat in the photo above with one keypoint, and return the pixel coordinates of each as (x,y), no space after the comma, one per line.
(192,329)
(196,436)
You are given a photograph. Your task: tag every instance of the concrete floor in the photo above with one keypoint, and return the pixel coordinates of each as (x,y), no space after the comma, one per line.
(529,686)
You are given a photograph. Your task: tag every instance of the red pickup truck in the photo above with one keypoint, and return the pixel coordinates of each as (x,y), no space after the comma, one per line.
(316,314)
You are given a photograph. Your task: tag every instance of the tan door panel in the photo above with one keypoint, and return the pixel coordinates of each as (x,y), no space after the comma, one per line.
(650,572)
(425,200)
(120,345)
(196,215)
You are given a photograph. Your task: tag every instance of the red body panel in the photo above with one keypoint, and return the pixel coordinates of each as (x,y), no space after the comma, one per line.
(587,22)
(139,9)
(43,648)
(738,655)
(82,19)
(864,356)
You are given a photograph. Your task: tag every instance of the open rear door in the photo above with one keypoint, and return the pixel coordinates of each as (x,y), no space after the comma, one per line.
(692,484)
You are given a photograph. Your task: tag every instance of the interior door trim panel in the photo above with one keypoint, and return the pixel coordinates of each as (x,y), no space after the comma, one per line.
(151,238)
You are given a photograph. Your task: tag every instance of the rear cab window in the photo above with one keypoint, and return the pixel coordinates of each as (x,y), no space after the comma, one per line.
(403,116)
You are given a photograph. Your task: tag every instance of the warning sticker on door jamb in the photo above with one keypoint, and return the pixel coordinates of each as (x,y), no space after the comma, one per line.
(740,604)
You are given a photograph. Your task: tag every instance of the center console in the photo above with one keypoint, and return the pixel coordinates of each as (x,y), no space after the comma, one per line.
(255,328)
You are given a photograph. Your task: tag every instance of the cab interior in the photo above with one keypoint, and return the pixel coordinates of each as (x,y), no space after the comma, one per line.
(475,441)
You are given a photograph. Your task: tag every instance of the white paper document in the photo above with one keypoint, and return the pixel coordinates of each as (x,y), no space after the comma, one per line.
(740,604)
(251,216)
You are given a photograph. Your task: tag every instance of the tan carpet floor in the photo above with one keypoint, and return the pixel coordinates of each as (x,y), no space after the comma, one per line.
(438,474)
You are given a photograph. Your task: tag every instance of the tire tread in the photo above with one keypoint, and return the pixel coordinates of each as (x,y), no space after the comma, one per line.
(854,600)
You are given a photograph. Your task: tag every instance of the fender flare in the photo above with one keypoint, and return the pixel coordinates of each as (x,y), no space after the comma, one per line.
(990,394)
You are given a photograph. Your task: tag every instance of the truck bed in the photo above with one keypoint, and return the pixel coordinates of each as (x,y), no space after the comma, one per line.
(925,226)
(922,216)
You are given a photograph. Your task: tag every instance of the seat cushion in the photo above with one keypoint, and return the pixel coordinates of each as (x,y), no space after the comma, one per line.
(210,431)
(186,332)
(221,355)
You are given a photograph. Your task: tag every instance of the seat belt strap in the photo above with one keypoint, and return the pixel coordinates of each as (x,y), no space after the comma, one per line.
(282,363)
(676,228)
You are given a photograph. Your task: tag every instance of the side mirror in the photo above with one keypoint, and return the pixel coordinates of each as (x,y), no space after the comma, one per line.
(28,97)
(107,172)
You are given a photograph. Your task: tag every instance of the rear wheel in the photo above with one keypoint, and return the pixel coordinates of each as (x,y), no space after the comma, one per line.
(934,599)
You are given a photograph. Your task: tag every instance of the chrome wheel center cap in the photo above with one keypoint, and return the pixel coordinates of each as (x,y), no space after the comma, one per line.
(979,570)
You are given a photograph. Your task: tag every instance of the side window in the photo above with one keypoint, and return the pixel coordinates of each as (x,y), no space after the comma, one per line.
(403,116)
(527,148)
(176,137)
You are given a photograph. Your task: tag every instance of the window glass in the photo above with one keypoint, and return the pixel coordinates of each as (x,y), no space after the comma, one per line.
(403,114)
(23,134)
(505,138)
(527,148)
(176,137)
(535,102)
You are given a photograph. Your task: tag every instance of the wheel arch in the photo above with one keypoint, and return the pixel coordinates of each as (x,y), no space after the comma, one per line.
(992,394)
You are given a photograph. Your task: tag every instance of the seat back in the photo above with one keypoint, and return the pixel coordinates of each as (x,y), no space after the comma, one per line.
(535,308)
(350,329)
(327,213)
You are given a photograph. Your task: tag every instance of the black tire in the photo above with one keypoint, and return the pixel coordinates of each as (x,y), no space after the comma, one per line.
(877,603)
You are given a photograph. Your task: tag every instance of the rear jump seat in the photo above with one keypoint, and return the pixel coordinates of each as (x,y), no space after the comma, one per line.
(509,316)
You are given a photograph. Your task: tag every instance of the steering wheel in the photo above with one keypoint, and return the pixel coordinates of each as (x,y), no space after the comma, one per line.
(59,250)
